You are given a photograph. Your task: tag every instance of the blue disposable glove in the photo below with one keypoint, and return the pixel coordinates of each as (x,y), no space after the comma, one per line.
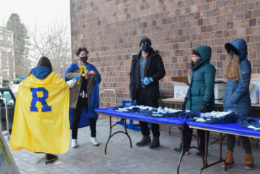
(76,78)
(21,79)
(73,81)
(147,80)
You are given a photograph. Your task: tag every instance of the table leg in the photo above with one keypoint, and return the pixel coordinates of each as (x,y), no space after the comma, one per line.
(205,160)
(126,132)
(184,150)
(221,147)
(170,130)
(218,139)
(205,157)
(112,134)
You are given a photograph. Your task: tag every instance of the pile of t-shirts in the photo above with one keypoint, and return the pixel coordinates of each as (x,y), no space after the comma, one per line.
(216,117)
(249,123)
(209,117)
(149,111)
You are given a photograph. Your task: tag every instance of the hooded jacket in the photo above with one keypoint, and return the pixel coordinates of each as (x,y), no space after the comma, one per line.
(202,78)
(236,95)
(41,72)
(41,121)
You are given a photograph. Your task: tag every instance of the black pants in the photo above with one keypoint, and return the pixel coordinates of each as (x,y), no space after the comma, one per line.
(231,139)
(188,137)
(76,118)
(145,97)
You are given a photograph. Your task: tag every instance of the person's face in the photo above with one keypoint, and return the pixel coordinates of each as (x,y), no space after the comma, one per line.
(143,43)
(194,58)
(82,54)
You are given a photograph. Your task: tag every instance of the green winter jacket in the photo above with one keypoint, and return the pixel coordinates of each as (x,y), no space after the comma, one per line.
(202,80)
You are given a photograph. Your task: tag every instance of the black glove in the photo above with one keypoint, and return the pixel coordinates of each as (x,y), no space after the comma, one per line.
(184,104)
(205,106)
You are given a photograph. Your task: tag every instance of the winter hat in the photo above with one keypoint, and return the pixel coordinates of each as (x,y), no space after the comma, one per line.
(231,49)
(196,52)
(145,39)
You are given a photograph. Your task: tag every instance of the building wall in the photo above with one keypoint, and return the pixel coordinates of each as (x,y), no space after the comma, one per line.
(7,63)
(111,29)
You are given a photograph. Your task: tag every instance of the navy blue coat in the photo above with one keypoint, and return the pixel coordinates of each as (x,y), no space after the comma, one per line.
(236,95)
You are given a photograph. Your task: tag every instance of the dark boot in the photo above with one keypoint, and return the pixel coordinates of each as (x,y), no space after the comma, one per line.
(145,140)
(50,158)
(155,143)
(200,153)
(178,149)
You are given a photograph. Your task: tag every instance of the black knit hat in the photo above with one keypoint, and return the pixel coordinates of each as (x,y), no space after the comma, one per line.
(145,39)
(196,52)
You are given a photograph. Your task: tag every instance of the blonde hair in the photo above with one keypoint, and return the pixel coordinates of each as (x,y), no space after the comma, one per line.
(232,68)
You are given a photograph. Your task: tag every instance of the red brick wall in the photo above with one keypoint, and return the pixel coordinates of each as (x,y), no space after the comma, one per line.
(111,29)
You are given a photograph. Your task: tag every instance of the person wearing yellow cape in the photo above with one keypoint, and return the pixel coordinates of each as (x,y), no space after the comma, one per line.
(41,118)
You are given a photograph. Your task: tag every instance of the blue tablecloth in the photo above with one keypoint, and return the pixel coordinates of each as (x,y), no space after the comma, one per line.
(141,117)
(233,128)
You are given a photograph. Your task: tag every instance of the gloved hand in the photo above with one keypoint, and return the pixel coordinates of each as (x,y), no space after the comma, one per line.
(205,106)
(147,80)
(184,104)
(76,78)
(73,81)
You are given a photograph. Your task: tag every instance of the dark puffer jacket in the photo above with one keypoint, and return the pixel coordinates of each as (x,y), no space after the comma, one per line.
(236,95)
(202,80)
(154,68)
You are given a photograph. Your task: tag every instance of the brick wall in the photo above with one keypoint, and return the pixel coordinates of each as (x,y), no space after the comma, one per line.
(111,29)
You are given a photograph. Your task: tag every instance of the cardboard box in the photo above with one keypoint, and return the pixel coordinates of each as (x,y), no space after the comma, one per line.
(181,85)
(254,92)
(219,88)
(255,88)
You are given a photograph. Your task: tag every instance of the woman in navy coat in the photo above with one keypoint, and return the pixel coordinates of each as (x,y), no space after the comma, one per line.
(236,96)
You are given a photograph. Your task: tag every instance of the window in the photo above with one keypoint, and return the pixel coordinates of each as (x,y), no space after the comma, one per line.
(8,97)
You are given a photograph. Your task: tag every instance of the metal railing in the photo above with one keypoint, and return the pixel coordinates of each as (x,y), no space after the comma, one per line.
(109,90)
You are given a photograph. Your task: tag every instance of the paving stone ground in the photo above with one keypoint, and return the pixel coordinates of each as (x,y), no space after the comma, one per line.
(121,159)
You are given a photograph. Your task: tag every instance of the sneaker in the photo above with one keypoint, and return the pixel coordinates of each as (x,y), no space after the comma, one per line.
(94,141)
(50,158)
(187,153)
(145,141)
(74,143)
(155,143)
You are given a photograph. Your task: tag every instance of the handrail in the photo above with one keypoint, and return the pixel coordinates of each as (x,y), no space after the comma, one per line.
(6,118)
(109,90)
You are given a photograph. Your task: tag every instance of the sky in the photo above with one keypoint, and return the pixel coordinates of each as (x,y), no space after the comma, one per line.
(42,13)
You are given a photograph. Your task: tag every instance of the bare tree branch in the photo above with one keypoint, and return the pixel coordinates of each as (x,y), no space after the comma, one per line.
(54,43)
